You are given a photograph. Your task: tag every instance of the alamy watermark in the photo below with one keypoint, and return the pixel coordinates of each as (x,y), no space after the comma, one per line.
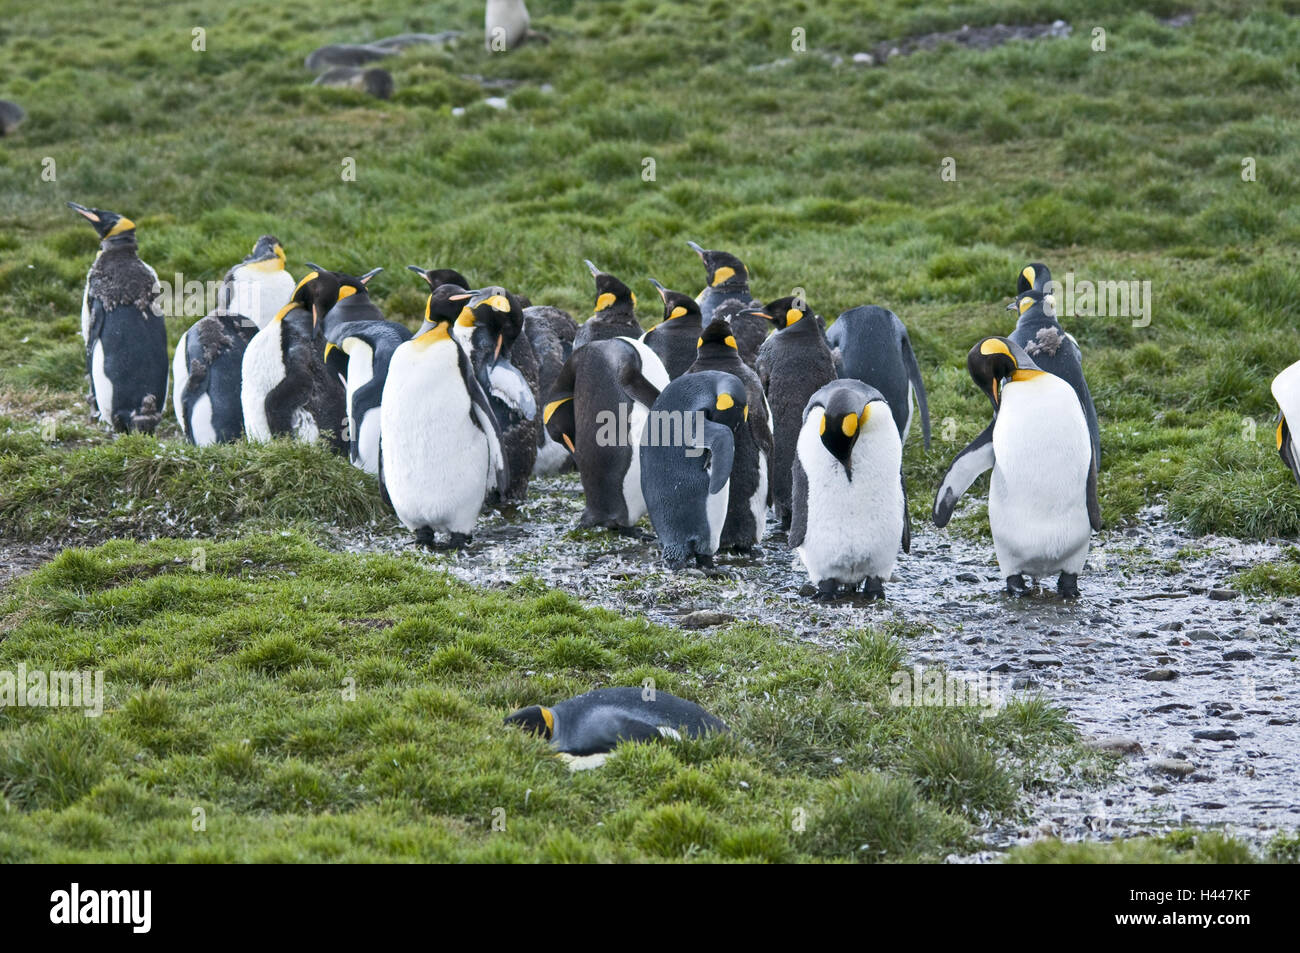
(41,689)
(1083,298)
(663,428)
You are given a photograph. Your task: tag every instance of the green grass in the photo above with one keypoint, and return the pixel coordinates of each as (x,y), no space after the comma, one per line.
(1179,847)
(318,706)
(1279,579)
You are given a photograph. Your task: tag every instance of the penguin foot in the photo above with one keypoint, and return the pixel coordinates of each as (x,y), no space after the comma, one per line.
(425,537)
(703,561)
(1067,587)
(874,588)
(1016,586)
(459,541)
(631,532)
(828,590)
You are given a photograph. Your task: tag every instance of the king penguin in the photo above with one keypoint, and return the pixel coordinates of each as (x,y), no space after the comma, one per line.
(440,443)
(505,25)
(676,338)
(1043,493)
(726,295)
(286,388)
(123,328)
(1286,391)
(874,348)
(551,332)
(351,302)
(793,364)
(750,492)
(849,501)
(596,722)
(598,408)
(687,452)
(614,314)
(368,347)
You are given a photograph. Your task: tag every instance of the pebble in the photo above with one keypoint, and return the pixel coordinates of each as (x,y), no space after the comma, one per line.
(1043,661)
(1116,744)
(1223,595)
(1159,675)
(704,619)
(1174,766)
(1215,734)
(1238,655)
(1202,635)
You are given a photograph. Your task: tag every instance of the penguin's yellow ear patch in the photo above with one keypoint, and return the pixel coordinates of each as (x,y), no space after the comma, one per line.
(1029,275)
(849,425)
(995,346)
(347,291)
(1280,424)
(549,717)
(604,301)
(866,413)
(792,315)
(329,346)
(123,225)
(279,315)
(466,317)
(310,276)
(821,428)
(699,343)
(677,312)
(730,342)
(1026,304)
(723,274)
(745,413)
(633,294)
(552,407)
(498,303)
(725,402)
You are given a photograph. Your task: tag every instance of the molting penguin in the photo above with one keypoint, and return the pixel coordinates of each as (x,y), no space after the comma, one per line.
(1052,349)
(598,408)
(1286,391)
(440,444)
(793,364)
(614,314)
(551,332)
(368,347)
(726,294)
(849,500)
(1043,493)
(286,388)
(597,721)
(676,338)
(687,452)
(750,491)
(490,328)
(122,325)
(874,348)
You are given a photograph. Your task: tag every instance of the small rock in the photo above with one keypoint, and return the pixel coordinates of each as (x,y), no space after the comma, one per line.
(1159,675)
(1157,789)
(1174,766)
(496,102)
(1215,734)
(704,619)
(1223,595)
(967,577)
(1238,655)
(864,59)
(1116,744)
(1042,661)
(1001,667)
(1202,635)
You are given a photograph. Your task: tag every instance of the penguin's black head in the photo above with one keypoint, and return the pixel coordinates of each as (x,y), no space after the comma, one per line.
(730,402)
(785,312)
(996,360)
(1033,277)
(725,271)
(846,414)
(267,249)
(436,277)
(534,719)
(676,304)
(317,292)
(107,224)
(497,311)
(610,292)
(1026,300)
(717,337)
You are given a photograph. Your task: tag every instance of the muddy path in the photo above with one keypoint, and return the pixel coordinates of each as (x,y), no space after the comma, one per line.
(1194,686)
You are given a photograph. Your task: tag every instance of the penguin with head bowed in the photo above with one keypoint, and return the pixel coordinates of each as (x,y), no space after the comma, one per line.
(614,314)
(874,348)
(676,337)
(1054,350)
(597,409)
(793,364)
(596,722)
(1033,277)
(360,351)
(726,295)
(551,332)
(1286,391)
(490,327)
(849,498)
(286,388)
(439,441)
(1043,492)
(351,300)
(123,328)
(687,452)
(750,490)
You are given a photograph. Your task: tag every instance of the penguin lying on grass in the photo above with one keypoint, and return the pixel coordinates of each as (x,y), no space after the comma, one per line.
(123,328)
(614,314)
(849,501)
(675,338)
(874,348)
(595,723)
(598,409)
(687,453)
(1043,493)
(1286,391)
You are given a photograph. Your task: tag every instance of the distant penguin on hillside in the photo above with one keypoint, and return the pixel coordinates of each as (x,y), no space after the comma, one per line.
(1043,492)
(123,328)
(675,339)
(849,501)
(614,314)
(596,722)
(368,347)
(11,114)
(726,295)
(551,332)
(598,409)
(687,453)
(286,388)
(793,364)
(505,25)
(1286,391)
(874,348)
(750,491)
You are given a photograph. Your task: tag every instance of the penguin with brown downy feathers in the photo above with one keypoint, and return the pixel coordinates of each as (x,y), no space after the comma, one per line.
(614,314)
(551,332)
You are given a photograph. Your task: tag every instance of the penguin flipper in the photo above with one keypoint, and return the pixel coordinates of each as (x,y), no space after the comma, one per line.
(965,468)
(98,314)
(907,516)
(486,421)
(383,488)
(798,504)
(914,375)
(1285,446)
(631,377)
(1094,507)
(722,452)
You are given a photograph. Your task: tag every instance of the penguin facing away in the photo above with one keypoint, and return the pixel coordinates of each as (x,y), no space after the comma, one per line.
(793,364)
(368,347)
(440,444)
(874,348)
(122,326)
(676,337)
(614,314)
(1043,493)
(687,452)
(849,499)
(596,722)
(551,332)
(1286,391)
(750,490)
(598,408)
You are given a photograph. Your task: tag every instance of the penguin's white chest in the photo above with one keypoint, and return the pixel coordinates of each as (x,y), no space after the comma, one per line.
(262,370)
(258,293)
(715,512)
(1042,452)
(180,377)
(103,383)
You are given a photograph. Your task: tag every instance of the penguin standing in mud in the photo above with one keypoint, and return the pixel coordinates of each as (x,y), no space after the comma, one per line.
(1286,391)
(874,348)
(490,328)
(849,501)
(286,389)
(676,337)
(598,409)
(123,328)
(687,451)
(1043,493)
(551,332)
(367,347)
(440,443)
(599,720)
(750,481)
(614,314)
(793,364)
(1052,349)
